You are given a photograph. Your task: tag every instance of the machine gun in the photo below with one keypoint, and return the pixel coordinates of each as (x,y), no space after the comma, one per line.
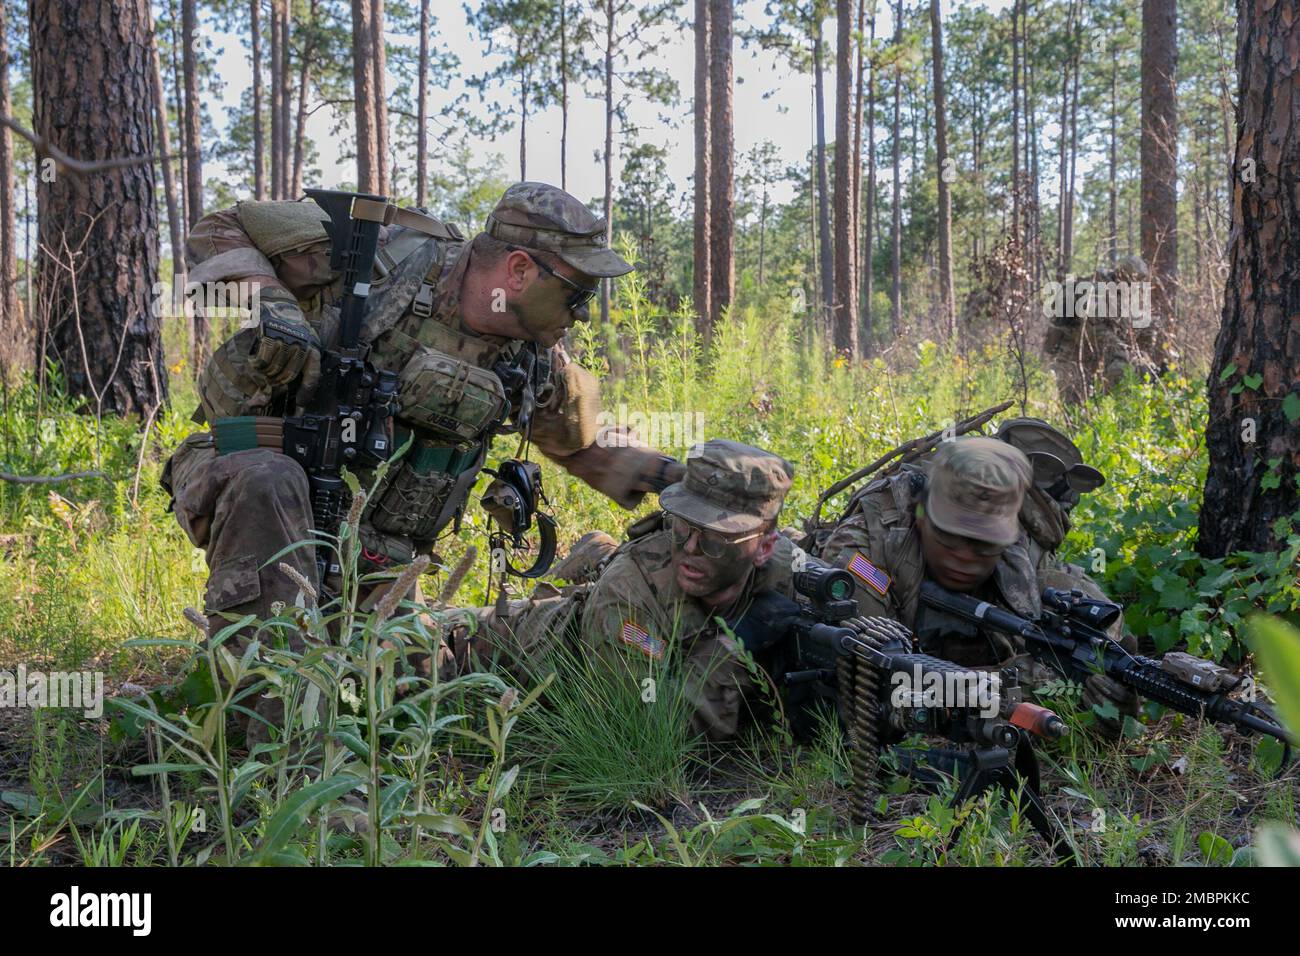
(1071,638)
(886,692)
(347,420)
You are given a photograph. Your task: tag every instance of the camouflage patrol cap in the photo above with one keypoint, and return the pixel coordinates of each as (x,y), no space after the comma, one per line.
(546,218)
(1051,453)
(729,487)
(976,487)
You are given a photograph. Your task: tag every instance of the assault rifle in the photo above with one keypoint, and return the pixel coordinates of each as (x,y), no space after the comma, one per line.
(1071,638)
(885,692)
(347,420)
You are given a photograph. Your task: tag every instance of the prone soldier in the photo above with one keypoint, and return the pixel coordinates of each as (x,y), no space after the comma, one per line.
(711,552)
(957,522)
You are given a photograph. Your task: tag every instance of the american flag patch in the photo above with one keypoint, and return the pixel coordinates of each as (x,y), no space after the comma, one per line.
(869,574)
(640,638)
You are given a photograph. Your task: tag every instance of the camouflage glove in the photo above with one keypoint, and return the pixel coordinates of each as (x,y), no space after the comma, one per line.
(285,347)
(1100,690)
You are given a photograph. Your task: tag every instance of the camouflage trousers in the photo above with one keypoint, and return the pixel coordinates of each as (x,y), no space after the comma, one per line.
(242,509)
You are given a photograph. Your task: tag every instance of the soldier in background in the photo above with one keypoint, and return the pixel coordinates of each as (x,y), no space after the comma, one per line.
(1090,348)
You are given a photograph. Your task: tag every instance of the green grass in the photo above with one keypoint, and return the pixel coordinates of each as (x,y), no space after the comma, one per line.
(97,573)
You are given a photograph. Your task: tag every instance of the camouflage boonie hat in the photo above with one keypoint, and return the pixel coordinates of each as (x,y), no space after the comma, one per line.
(1051,453)
(729,487)
(976,487)
(546,218)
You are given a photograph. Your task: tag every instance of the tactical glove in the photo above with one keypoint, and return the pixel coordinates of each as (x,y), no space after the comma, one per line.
(285,347)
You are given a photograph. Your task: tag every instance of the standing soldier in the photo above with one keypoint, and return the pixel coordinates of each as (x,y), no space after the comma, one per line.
(1090,348)
(710,554)
(471,329)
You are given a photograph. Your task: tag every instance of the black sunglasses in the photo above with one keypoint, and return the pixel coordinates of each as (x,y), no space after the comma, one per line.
(581,294)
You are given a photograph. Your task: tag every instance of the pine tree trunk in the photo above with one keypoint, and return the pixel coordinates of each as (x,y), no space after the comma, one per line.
(278,131)
(1159,212)
(1112,221)
(701,289)
(304,82)
(259,145)
(1251,485)
(178,88)
(175,226)
(14,333)
(103,331)
(422,118)
(722,208)
(609,150)
(363,93)
(380,97)
(855,170)
(896,262)
(193,116)
(564,95)
(843,324)
(825,249)
(1074,152)
(868,236)
(947,299)
(1015,119)
(286,104)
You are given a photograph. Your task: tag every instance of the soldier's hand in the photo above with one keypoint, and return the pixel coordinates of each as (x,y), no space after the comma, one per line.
(286,347)
(1100,690)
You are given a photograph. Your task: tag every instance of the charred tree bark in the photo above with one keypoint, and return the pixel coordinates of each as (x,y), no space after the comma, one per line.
(380,97)
(103,332)
(1250,485)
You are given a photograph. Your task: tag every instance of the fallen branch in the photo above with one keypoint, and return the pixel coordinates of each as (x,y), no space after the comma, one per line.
(49,479)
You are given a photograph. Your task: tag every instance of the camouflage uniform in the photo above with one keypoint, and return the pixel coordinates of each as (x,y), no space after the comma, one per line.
(1090,353)
(627,617)
(244,506)
(976,489)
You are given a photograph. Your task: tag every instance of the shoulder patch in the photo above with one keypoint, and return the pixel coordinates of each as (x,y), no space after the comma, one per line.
(868,573)
(638,637)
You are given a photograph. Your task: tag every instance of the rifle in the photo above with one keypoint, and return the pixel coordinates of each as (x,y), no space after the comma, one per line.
(1071,638)
(346,421)
(885,692)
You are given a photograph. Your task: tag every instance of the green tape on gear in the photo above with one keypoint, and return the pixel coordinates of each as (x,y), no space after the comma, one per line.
(235,434)
(426,458)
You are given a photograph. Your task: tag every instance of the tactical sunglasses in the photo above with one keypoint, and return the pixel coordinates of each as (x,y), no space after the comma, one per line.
(581,294)
(956,542)
(713,544)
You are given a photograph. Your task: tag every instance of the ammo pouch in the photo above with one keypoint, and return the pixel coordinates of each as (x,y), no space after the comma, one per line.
(425,488)
(450,397)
